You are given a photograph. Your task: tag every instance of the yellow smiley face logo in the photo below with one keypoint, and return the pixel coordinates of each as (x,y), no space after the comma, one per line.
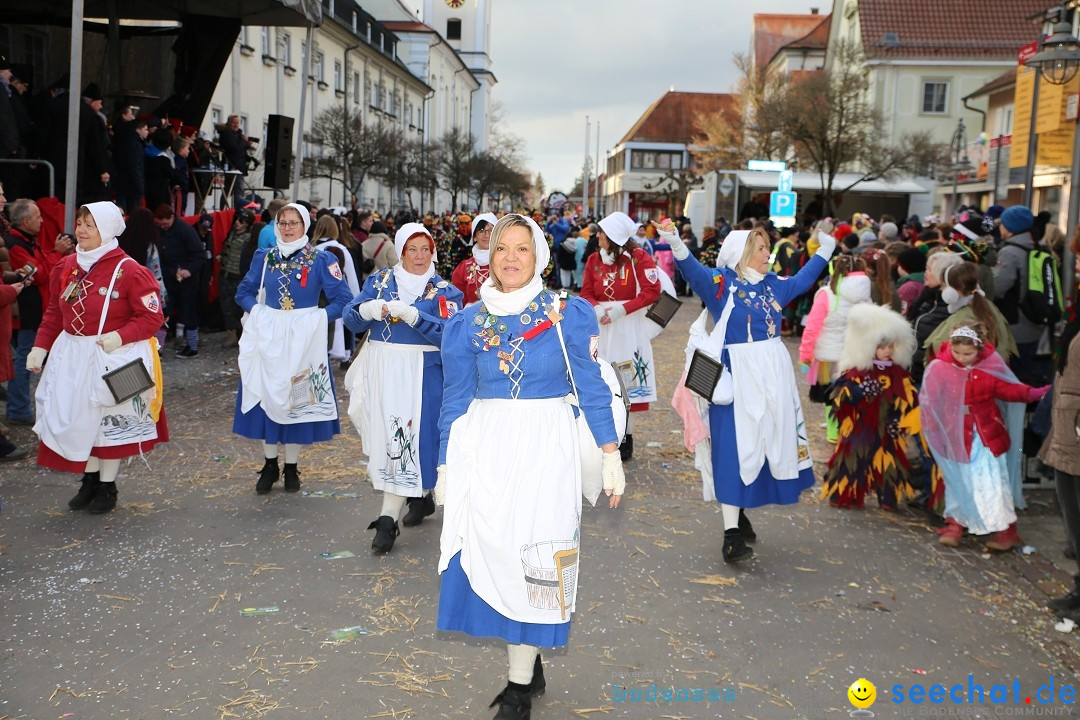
(862,693)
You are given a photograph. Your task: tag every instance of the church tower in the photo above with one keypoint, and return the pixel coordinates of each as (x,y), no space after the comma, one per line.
(466,26)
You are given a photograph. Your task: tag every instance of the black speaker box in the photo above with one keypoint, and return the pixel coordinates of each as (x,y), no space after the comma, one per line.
(278,162)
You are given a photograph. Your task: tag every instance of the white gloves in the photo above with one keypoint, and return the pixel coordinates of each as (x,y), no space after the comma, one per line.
(827,247)
(614,478)
(110,341)
(35,359)
(371,310)
(616,312)
(600,311)
(403,311)
(678,247)
(440,487)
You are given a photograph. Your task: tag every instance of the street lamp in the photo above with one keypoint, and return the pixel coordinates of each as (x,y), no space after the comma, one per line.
(1058,62)
(961,164)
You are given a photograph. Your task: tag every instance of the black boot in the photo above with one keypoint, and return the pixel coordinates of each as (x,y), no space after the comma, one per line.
(745,528)
(1067,602)
(626,450)
(419,508)
(85,496)
(515,702)
(267,476)
(385,531)
(538,684)
(292,478)
(735,548)
(104,499)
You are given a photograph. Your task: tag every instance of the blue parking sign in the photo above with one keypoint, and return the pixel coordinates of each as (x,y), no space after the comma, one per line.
(782,204)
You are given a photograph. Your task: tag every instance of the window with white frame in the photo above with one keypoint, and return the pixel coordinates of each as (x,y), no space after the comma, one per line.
(935,97)
(337,76)
(356,88)
(320,67)
(244,36)
(266,42)
(215,115)
(285,49)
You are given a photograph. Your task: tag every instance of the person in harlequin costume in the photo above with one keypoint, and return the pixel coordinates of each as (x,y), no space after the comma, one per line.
(396,381)
(456,245)
(874,402)
(471,273)
(286,386)
(621,281)
(510,469)
(103,311)
(759,449)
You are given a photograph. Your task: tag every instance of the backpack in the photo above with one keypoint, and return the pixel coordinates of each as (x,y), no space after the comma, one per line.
(1042,303)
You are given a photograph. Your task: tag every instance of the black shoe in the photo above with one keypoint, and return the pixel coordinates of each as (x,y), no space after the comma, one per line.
(85,496)
(626,450)
(745,528)
(385,531)
(1069,553)
(292,478)
(515,703)
(187,352)
(1068,601)
(419,508)
(104,499)
(538,684)
(17,454)
(267,476)
(735,548)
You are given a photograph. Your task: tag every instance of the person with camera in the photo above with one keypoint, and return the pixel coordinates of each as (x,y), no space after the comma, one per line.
(182,257)
(26,252)
(12,286)
(235,146)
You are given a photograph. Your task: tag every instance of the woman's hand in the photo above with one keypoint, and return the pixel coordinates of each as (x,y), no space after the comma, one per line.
(403,311)
(110,341)
(35,359)
(616,312)
(666,228)
(372,310)
(440,487)
(614,477)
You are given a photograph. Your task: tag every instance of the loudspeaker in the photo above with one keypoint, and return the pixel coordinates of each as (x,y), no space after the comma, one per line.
(278,165)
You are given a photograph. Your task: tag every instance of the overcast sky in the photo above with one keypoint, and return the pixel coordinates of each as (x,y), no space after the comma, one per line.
(559,60)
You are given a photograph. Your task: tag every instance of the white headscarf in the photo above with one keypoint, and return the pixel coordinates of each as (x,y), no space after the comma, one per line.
(515,301)
(110,225)
(731,251)
(410,285)
(288,248)
(482,257)
(619,227)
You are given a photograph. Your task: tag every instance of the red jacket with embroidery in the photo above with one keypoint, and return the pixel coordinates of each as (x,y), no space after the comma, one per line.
(981,390)
(468,276)
(135,311)
(604,283)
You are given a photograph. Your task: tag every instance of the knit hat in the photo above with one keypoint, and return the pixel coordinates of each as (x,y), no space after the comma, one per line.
(1017,219)
(889,230)
(912,261)
(994,211)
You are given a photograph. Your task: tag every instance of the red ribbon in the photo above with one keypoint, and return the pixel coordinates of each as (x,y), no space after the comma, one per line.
(444,311)
(536,330)
(303,277)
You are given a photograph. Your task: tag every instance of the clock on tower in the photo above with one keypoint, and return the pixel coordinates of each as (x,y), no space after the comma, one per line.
(455,3)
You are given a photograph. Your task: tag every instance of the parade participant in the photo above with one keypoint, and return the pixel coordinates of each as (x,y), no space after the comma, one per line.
(622,281)
(456,242)
(872,400)
(975,443)
(761,422)
(471,273)
(286,387)
(326,236)
(103,311)
(510,470)
(396,382)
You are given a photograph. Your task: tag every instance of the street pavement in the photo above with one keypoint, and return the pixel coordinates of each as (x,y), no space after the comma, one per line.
(137,614)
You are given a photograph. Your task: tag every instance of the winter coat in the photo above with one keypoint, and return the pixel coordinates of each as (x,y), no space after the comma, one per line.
(1006,345)
(8,295)
(1061,450)
(1010,286)
(925,314)
(384,257)
(981,393)
(823,337)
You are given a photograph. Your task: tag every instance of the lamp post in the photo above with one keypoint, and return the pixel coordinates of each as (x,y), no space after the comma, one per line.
(1058,63)
(961,164)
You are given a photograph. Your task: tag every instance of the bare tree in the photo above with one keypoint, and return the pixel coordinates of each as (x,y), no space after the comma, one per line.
(352,149)
(452,163)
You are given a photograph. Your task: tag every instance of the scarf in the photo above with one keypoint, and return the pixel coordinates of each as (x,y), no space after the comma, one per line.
(752,276)
(882,364)
(87,258)
(482,257)
(607,258)
(410,285)
(510,303)
(289,248)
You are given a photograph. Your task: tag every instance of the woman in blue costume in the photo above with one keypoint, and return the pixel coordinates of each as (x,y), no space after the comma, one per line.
(286,387)
(395,383)
(510,471)
(760,453)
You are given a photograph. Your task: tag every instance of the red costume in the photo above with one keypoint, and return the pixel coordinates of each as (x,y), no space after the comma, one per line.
(468,276)
(602,283)
(134,313)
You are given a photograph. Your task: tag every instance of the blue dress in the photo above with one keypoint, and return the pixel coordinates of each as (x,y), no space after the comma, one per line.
(514,358)
(756,316)
(439,301)
(307,274)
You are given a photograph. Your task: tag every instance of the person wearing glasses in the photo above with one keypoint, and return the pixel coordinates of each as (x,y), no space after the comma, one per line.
(471,272)
(286,386)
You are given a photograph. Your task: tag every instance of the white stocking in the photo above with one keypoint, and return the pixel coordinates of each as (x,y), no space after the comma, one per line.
(522,661)
(392,505)
(270,451)
(731,516)
(109,470)
(292,453)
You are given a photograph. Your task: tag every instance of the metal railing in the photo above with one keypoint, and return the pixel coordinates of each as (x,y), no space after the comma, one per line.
(46,163)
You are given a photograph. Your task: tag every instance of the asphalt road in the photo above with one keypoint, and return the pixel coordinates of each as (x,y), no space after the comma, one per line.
(137,614)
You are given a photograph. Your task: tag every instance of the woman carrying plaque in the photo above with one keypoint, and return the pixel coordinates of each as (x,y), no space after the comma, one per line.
(286,387)
(104,308)
(622,281)
(759,449)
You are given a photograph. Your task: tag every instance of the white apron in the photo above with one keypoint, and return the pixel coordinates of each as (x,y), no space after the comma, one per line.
(76,410)
(766,406)
(513,506)
(337,348)
(625,342)
(385,384)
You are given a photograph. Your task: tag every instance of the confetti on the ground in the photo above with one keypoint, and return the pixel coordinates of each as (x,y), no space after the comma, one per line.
(918,671)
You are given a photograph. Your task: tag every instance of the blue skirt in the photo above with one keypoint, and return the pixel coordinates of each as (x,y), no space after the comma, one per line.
(727,482)
(462,610)
(255,425)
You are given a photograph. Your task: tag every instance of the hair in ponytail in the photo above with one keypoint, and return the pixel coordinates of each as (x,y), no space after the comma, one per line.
(842,267)
(964,278)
